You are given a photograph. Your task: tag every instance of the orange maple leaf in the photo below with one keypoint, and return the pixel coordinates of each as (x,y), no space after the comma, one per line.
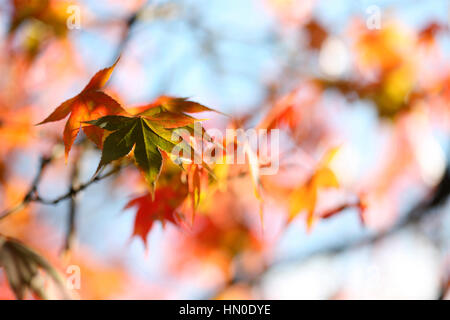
(89,104)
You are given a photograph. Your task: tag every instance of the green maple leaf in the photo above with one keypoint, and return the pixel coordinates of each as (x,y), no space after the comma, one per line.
(148,135)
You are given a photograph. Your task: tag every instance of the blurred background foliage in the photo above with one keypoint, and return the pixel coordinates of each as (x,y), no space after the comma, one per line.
(365,110)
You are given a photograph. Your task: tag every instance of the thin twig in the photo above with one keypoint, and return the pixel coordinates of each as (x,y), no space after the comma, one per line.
(34,197)
(74,183)
(130,22)
(80,188)
(32,191)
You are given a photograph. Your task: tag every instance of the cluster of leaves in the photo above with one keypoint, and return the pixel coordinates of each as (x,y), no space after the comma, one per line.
(147,133)
(142,133)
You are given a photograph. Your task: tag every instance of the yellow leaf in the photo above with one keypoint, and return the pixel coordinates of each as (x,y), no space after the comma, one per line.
(325,178)
(301,199)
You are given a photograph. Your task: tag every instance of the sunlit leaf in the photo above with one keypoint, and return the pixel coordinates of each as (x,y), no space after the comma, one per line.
(89,104)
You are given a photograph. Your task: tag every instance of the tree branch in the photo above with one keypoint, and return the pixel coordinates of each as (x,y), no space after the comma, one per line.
(34,197)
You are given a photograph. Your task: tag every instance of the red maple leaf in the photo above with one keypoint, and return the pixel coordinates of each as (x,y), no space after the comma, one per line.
(162,208)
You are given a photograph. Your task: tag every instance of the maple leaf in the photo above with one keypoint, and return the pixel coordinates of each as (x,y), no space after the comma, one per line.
(152,129)
(162,208)
(174,105)
(89,104)
(172,112)
(148,136)
(305,197)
